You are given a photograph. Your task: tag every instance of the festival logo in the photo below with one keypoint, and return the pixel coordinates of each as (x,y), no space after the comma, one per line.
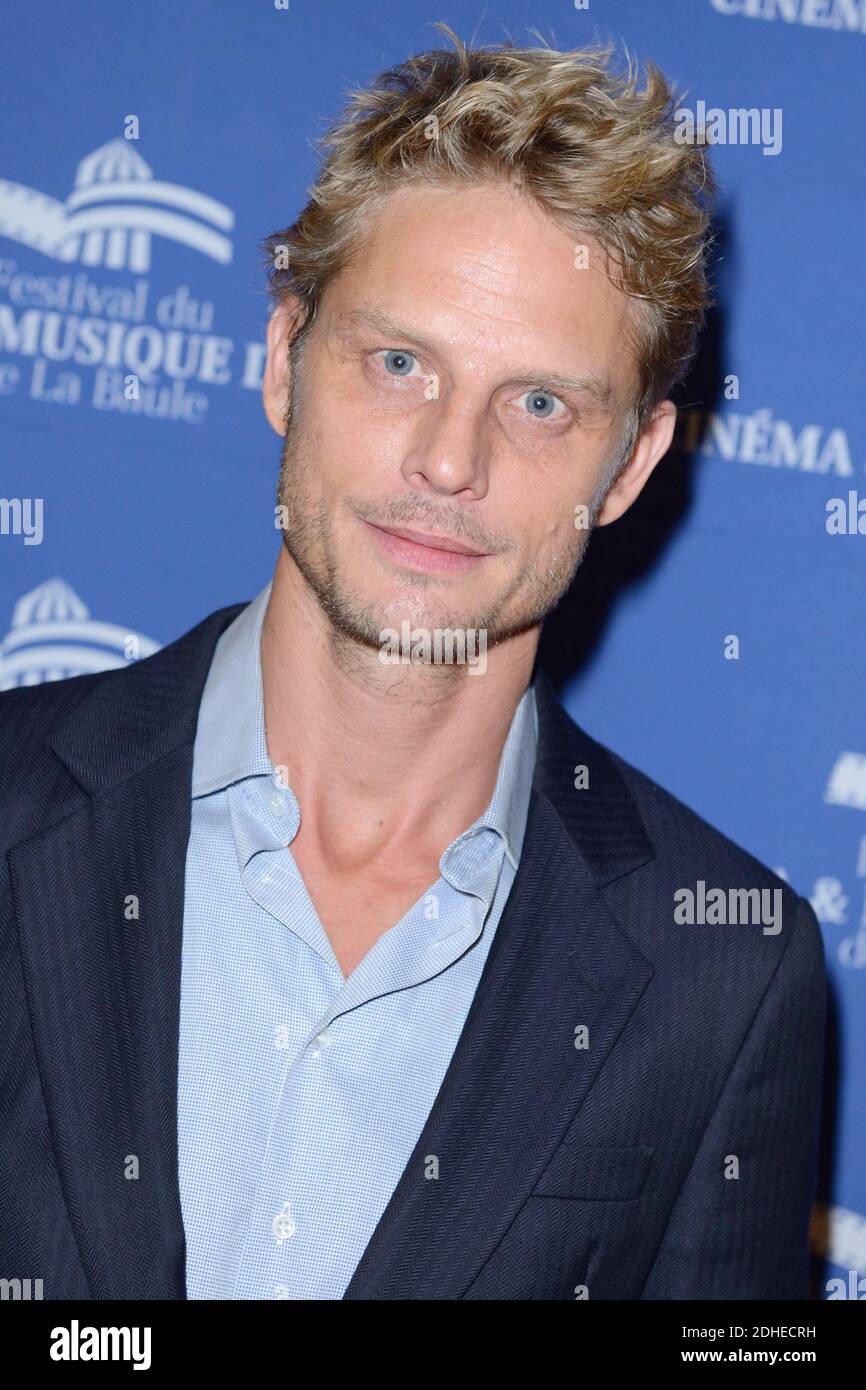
(113,211)
(96,330)
(53,636)
(847,784)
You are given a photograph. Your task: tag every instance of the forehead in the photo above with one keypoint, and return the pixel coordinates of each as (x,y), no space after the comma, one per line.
(483,269)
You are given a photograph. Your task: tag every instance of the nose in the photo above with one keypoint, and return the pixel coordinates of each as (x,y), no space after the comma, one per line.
(448,450)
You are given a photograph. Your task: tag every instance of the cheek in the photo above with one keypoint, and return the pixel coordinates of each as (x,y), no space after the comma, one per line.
(355,396)
(328,444)
(359,440)
(546,519)
(551,545)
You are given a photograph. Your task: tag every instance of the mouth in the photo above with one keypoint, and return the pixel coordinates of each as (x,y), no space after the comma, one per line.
(425,551)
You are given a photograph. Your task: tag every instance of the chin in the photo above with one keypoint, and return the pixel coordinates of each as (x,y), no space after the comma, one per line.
(418,611)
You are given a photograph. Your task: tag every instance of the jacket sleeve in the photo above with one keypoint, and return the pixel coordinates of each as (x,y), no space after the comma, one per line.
(747,1237)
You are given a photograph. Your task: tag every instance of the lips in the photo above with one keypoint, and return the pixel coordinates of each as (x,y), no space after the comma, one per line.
(428,538)
(422,551)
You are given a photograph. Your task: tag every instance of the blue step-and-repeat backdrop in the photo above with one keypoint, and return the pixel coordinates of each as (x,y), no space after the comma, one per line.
(140,254)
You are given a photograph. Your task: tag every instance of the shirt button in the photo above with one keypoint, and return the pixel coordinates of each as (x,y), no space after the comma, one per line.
(283,1224)
(276,805)
(320,1042)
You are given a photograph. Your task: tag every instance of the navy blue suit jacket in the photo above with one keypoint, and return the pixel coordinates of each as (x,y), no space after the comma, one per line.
(613,1067)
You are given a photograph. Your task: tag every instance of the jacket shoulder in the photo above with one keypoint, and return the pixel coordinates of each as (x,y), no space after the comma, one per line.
(28,713)
(32,777)
(677,830)
(687,848)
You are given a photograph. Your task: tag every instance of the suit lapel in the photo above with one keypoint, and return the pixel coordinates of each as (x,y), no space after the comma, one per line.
(98,901)
(559,960)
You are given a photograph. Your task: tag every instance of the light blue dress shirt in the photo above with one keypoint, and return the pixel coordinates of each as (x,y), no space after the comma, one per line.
(301,1092)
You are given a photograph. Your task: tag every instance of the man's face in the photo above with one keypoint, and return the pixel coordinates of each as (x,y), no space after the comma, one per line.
(465,378)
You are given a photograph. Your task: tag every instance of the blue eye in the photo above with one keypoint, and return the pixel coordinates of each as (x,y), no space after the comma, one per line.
(541,404)
(399,363)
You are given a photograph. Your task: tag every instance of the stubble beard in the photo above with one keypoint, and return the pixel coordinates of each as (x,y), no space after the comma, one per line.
(307,537)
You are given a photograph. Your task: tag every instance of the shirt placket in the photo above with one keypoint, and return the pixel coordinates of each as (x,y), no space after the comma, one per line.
(277,1245)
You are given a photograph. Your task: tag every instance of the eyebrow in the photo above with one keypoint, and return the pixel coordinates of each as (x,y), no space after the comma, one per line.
(587,384)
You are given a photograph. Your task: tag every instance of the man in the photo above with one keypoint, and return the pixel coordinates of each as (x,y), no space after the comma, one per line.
(337,963)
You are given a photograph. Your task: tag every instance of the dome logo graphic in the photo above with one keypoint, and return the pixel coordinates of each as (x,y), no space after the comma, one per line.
(114,209)
(847,784)
(53,636)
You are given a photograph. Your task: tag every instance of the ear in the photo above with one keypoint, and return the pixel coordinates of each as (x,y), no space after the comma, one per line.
(651,446)
(277,385)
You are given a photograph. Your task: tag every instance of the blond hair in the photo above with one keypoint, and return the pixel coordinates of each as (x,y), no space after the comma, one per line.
(592,148)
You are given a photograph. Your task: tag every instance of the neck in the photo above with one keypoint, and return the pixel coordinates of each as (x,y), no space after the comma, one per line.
(383,759)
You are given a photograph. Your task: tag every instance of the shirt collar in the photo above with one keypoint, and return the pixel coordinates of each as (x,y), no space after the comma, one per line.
(230,742)
(507,808)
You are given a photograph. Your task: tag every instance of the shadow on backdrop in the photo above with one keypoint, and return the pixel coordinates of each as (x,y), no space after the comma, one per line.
(621,554)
